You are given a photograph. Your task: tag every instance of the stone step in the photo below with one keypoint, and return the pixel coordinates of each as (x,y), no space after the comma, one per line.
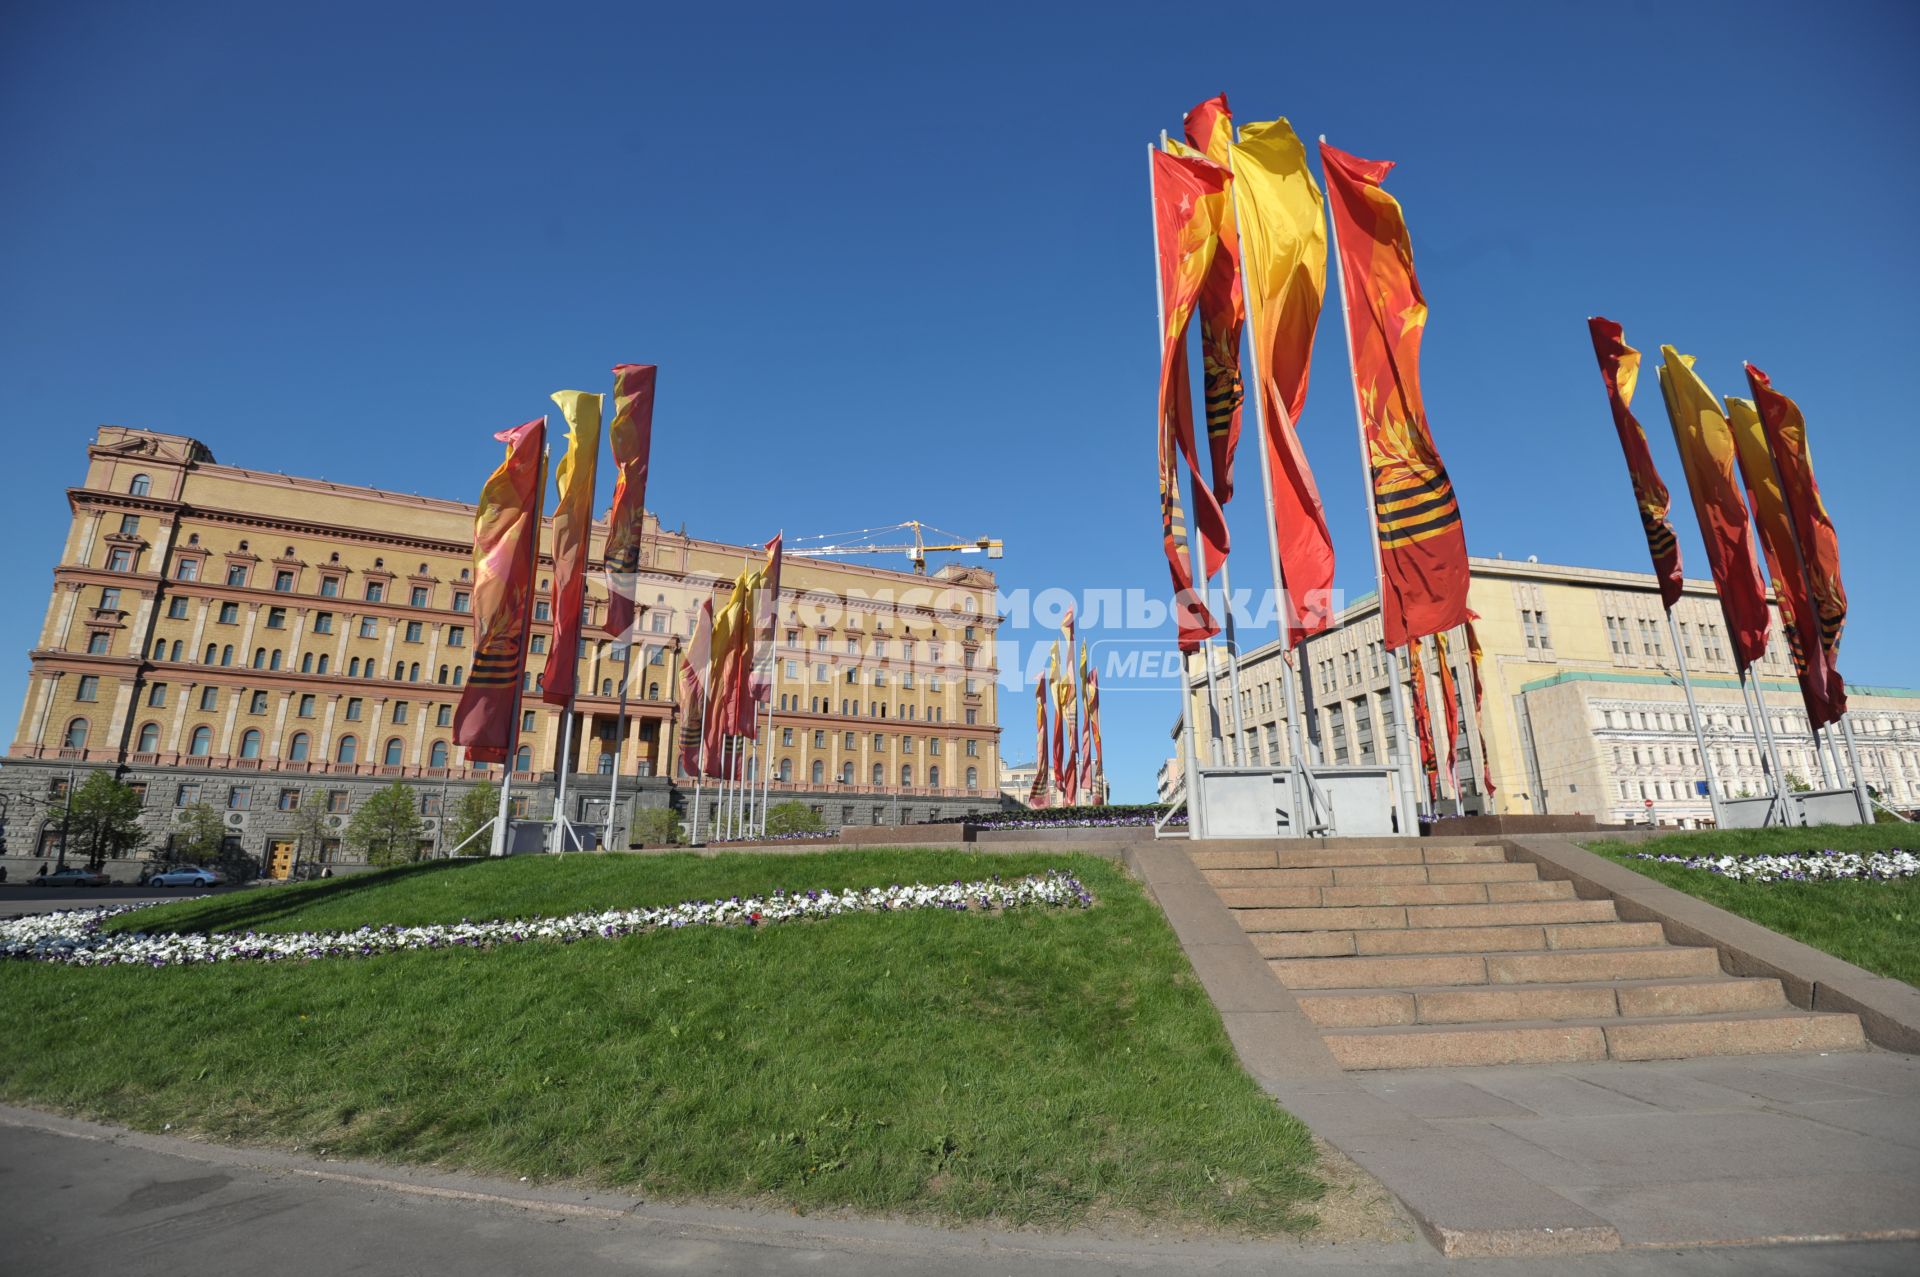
(1308,855)
(1310,917)
(1366,875)
(1355,1008)
(1394,893)
(1561,966)
(1743,1033)
(1575,935)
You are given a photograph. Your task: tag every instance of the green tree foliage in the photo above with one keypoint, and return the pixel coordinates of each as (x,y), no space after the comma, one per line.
(476,807)
(793,817)
(310,829)
(105,820)
(1796,784)
(199,836)
(656,826)
(387,829)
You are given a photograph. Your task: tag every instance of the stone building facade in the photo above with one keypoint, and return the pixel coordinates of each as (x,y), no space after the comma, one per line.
(1584,709)
(262,642)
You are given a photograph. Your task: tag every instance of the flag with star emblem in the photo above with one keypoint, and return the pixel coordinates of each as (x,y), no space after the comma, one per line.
(1209,129)
(1620,371)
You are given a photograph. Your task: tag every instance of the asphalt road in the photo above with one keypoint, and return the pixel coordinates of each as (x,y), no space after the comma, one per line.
(17,898)
(78,1199)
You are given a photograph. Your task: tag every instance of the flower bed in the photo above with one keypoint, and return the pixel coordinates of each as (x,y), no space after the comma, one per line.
(1811,866)
(74,938)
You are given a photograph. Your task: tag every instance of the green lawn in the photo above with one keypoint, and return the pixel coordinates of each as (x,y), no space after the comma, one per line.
(1045,1067)
(1875,925)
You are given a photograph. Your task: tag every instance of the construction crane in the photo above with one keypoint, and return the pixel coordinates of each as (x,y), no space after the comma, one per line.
(871,541)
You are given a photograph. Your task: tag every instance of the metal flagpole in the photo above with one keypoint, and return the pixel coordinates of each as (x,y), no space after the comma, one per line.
(699,773)
(1859,777)
(619,750)
(499,847)
(1300,781)
(560,822)
(1780,789)
(766,762)
(1189,761)
(1699,728)
(1242,756)
(1196,560)
(1402,721)
(1820,760)
(1756,725)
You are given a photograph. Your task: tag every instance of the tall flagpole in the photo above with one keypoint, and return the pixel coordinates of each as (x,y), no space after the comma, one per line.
(1189,763)
(1242,756)
(1773,754)
(499,847)
(766,762)
(560,822)
(619,750)
(699,771)
(1859,777)
(1301,781)
(1699,727)
(1396,692)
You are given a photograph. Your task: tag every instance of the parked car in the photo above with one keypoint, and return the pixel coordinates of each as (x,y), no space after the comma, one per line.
(73,876)
(192,876)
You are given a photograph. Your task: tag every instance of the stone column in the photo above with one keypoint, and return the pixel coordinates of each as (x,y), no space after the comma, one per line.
(199,630)
(225,749)
(180,716)
(273,749)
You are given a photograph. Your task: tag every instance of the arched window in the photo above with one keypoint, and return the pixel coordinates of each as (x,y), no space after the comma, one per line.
(321,668)
(395,752)
(226,654)
(213,654)
(348,750)
(306,663)
(175,651)
(605,766)
(523,761)
(443,675)
(933,776)
(149,738)
(250,743)
(297,747)
(159,649)
(906,774)
(413,672)
(77,734)
(353,667)
(259,658)
(819,771)
(399,671)
(973,778)
(606,687)
(438,756)
(459,675)
(653,691)
(200,744)
(846,773)
(786,769)
(879,774)
(140,486)
(273,659)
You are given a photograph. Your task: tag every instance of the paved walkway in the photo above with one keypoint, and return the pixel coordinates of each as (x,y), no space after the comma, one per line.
(80,1200)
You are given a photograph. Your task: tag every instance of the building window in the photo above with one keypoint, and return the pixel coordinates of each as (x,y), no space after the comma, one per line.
(276,618)
(76,737)
(140,486)
(348,750)
(329,587)
(297,747)
(250,743)
(336,800)
(149,738)
(353,709)
(973,778)
(200,744)
(443,716)
(541,610)
(188,795)
(419,598)
(369,627)
(209,698)
(523,760)
(413,631)
(306,706)
(289,800)
(395,751)
(456,636)
(376,590)
(462,601)
(97,643)
(89,688)
(973,749)
(187,570)
(437,757)
(119,559)
(258,705)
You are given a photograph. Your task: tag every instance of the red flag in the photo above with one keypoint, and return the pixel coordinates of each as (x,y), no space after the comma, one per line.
(1189,203)
(1620,370)
(1706,446)
(632,438)
(1423,549)
(1037,792)
(1819,545)
(1422,720)
(506,543)
(1450,707)
(1209,128)
(1096,752)
(1479,698)
(572,533)
(693,692)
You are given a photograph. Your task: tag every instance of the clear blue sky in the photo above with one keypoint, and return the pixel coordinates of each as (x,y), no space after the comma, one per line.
(893,260)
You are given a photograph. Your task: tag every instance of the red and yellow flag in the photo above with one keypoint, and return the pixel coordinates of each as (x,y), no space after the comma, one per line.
(1707,454)
(1620,370)
(506,544)
(1209,129)
(1037,792)
(1479,706)
(1282,233)
(1423,548)
(693,690)
(631,435)
(732,628)
(1819,546)
(1189,205)
(572,530)
(1096,752)
(1450,713)
(1422,719)
(1790,582)
(766,609)
(1059,723)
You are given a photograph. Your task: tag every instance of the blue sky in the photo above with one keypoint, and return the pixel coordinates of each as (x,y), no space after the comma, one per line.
(893,260)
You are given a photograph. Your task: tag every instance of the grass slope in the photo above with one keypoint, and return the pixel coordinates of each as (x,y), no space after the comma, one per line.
(1870,924)
(1041,1067)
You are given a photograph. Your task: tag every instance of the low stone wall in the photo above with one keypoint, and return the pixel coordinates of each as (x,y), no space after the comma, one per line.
(1497,826)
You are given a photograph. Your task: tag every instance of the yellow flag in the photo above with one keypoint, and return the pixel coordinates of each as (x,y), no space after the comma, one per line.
(1283,245)
(572,529)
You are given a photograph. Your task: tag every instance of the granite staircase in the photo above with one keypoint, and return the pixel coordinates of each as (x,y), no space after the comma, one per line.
(1409,953)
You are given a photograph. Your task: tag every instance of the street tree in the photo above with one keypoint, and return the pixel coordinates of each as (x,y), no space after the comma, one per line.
(199,835)
(476,807)
(387,828)
(793,817)
(105,819)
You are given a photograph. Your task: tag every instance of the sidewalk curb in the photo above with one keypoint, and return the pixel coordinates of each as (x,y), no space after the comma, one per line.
(1889,1009)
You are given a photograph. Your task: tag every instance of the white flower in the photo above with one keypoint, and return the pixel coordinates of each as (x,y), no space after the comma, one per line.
(74,937)
(1809,866)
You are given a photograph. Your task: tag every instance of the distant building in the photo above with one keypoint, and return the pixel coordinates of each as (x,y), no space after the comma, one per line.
(261,642)
(1584,709)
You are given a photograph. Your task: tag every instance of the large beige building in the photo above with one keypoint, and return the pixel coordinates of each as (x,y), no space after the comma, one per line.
(1584,709)
(258,641)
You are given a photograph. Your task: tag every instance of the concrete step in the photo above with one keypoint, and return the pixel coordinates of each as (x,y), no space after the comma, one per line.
(1304,916)
(1482,940)
(1394,893)
(1368,1008)
(1562,966)
(1301,854)
(1368,875)
(1745,1033)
